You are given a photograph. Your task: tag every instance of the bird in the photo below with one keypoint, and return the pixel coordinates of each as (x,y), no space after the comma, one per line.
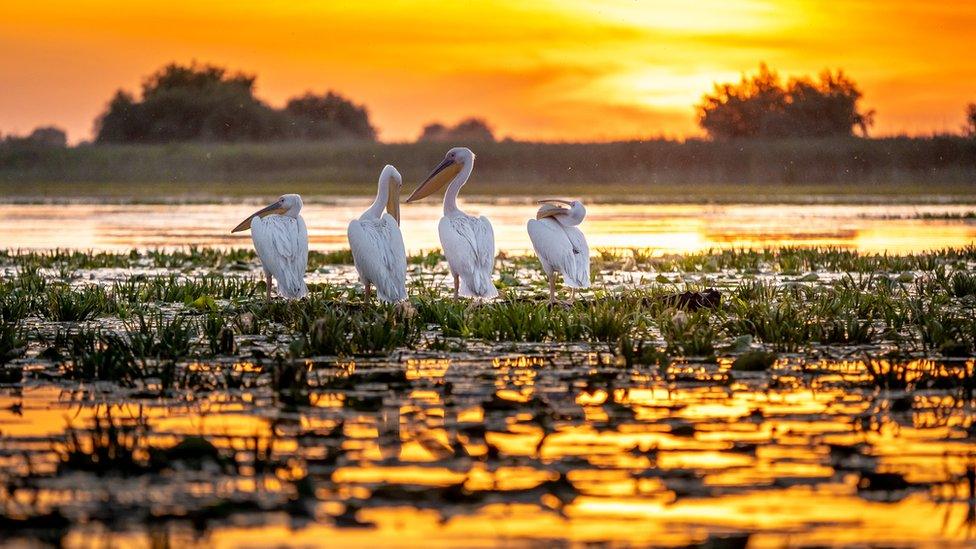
(281,240)
(559,243)
(377,243)
(468,241)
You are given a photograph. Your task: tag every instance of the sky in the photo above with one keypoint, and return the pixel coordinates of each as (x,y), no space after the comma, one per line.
(554,70)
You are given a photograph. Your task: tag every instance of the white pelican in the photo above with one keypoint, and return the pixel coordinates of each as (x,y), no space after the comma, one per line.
(377,244)
(560,245)
(468,241)
(281,240)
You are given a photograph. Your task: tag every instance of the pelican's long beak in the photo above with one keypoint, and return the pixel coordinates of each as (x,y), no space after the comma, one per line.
(444,172)
(393,201)
(549,209)
(275,208)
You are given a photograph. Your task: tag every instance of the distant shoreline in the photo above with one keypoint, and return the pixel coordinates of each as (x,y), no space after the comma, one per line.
(795,171)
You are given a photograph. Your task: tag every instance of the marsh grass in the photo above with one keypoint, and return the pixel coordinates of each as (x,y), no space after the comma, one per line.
(94,355)
(153,335)
(174,288)
(690,334)
(13,341)
(65,304)
(930,312)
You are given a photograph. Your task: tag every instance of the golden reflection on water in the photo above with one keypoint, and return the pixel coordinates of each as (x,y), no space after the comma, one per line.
(664,228)
(481,451)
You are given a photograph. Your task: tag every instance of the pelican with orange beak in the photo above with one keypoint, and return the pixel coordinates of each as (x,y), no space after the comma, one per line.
(377,243)
(281,240)
(468,241)
(560,244)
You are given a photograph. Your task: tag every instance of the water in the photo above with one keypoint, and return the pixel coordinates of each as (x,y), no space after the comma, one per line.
(664,228)
(500,444)
(530,446)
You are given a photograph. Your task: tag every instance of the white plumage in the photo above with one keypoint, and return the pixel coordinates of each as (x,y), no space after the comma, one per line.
(560,245)
(468,242)
(281,241)
(469,246)
(377,243)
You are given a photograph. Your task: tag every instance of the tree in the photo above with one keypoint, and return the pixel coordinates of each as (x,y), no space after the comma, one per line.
(471,130)
(328,116)
(761,106)
(42,136)
(970,127)
(49,136)
(182,103)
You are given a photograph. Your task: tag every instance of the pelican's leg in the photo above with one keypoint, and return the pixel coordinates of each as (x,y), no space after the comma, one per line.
(457,286)
(267,280)
(369,293)
(552,287)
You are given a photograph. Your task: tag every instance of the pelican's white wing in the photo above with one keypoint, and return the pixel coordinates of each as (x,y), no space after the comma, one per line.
(282,245)
(561,249)
(469,246)
(380,257)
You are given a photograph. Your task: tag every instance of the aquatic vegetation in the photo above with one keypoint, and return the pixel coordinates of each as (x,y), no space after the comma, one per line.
(153,335)
(93,355)
(754,361)
(13,340)
(219,334)
(65,304)
(330,411)
(335,331)
(688,334)
(179,289)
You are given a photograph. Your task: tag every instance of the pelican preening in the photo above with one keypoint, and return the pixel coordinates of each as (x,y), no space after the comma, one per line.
(468,242)
(377,244)
(281,240)
(560,245)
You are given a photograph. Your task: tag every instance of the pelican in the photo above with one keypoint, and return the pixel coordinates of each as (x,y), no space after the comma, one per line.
(281,240)
(468,241)
(560,245)
(377,244)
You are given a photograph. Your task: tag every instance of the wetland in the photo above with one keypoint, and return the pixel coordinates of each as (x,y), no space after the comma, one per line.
(154,397)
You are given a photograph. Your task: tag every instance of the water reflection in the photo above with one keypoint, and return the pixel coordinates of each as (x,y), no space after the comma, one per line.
(544,446)
(665,228)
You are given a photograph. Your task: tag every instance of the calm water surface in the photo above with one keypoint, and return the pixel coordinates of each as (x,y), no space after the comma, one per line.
(665,228)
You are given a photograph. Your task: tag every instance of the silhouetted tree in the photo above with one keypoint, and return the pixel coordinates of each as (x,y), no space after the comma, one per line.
(49,136)
(761,106)
(471,130)
(181,103)
(43,136)
(970,127)
(328,116)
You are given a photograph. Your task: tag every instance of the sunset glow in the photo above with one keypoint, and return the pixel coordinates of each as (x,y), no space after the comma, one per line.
(560,71)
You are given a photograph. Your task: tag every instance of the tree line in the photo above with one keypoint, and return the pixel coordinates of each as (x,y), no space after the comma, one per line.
(208,103)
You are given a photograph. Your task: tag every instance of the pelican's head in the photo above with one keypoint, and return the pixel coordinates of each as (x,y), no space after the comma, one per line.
(454,161)
(287,204)
(568,213)
(394,184)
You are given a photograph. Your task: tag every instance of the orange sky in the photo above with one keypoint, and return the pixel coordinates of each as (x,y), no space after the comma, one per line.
(551,70)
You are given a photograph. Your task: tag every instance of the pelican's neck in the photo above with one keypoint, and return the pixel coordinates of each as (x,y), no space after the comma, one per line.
(295,211)
(379,204)
(450,197)
(573,217)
